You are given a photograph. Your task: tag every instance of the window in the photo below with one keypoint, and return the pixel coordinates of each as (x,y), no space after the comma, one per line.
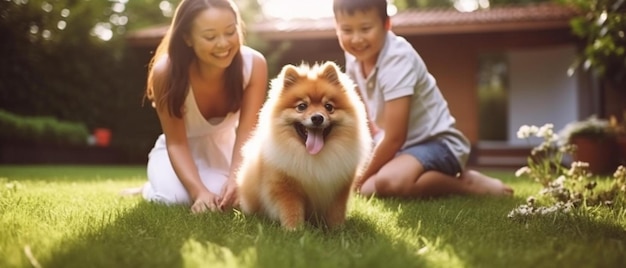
(493,97)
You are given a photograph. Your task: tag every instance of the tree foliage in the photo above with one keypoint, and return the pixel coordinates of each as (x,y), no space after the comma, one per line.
(602,27)
(67,59)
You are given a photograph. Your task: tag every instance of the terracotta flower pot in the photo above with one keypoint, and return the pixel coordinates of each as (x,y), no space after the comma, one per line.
(601,154)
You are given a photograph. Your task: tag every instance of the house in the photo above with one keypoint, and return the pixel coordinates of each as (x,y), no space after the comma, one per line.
(499,68)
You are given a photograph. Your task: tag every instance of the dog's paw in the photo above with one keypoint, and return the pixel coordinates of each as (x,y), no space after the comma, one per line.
(292,224)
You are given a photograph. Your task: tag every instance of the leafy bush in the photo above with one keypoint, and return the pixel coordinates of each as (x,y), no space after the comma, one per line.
(41,130)
(601,27)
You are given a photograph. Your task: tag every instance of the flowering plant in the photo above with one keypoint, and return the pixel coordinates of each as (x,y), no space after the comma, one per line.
(564,189)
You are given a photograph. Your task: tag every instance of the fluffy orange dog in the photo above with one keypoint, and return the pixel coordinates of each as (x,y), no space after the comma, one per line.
(311,141)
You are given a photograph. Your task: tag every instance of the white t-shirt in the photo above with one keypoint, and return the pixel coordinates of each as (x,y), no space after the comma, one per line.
(400,72)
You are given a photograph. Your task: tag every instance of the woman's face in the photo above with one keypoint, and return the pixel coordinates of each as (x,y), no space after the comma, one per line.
(214,37)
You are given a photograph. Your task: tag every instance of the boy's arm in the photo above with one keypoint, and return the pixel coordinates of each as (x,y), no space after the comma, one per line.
(395,123)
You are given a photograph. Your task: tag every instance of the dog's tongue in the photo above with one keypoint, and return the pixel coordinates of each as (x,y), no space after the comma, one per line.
(314,140)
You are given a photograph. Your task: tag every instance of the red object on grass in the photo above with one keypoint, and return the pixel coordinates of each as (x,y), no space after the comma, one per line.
(102,136)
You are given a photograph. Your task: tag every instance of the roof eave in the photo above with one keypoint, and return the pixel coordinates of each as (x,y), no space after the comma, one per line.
(273,35)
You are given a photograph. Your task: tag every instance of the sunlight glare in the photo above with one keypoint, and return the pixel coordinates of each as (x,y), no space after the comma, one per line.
(308,9)
(102,31)
(46,34)
(470,5)
(34,29)
(166,8)
(290,9)
(47,7)
(118,7)
(61,24)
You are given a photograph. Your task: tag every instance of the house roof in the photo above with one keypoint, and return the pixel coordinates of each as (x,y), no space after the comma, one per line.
(409,22)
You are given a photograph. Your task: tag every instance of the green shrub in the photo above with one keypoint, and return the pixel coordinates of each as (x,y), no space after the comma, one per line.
(41,130)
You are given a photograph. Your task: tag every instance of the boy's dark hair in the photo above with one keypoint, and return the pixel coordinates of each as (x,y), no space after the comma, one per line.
(351,6)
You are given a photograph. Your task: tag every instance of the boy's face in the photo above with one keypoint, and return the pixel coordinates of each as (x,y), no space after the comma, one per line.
(361,34)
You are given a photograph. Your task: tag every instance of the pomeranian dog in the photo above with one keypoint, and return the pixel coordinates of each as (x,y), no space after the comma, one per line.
(311,141)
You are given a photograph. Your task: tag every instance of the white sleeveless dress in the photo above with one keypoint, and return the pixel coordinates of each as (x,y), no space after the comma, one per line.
(210,143)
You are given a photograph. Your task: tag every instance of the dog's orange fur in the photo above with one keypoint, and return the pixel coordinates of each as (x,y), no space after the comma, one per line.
(289,180)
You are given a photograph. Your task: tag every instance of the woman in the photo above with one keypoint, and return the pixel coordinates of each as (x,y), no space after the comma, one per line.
(206,88)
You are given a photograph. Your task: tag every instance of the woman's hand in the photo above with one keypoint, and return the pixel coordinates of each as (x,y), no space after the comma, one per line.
(229,195)
(205,201)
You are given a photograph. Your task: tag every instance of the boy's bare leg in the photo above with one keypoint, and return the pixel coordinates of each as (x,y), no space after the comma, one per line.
(404,176)
(368,188)
(480,183)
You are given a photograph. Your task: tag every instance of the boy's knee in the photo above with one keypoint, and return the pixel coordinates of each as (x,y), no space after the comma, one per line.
(388,187)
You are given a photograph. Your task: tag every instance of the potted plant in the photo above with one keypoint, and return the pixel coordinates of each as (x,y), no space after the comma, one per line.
(594,142)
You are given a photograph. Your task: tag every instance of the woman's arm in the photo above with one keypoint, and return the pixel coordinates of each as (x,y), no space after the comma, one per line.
(178,149)
(395,124)
(253,98)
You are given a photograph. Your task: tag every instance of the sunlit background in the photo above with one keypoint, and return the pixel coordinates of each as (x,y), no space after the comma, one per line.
(276,9)
(55,49)
(314,9)
(290,9)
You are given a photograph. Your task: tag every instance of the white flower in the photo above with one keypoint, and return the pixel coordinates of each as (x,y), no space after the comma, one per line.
(579,165)
(554,137)
(523,132)
(522,171)
(560,180)
(533,129)
(620,172)
(545,131)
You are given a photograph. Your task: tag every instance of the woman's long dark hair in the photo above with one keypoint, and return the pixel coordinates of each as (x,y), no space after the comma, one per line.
(175,84)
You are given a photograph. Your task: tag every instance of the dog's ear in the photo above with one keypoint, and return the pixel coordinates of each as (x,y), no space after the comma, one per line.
(330,72)
(290,75)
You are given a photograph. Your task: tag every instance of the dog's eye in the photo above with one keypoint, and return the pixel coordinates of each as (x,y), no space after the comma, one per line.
(329,107)
(301,107)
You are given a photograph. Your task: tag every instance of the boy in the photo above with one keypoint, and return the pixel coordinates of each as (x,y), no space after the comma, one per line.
(419,152)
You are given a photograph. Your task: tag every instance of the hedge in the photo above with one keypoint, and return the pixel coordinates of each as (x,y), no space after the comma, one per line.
(41,130)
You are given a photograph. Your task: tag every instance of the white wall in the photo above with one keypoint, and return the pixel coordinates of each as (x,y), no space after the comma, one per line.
(540,91)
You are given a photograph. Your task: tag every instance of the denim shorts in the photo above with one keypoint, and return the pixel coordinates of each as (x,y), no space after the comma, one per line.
(435,155)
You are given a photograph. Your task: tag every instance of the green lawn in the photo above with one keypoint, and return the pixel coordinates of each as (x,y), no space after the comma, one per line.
(72,216)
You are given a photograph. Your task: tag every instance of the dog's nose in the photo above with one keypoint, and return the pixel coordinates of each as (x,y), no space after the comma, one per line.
(317,119)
